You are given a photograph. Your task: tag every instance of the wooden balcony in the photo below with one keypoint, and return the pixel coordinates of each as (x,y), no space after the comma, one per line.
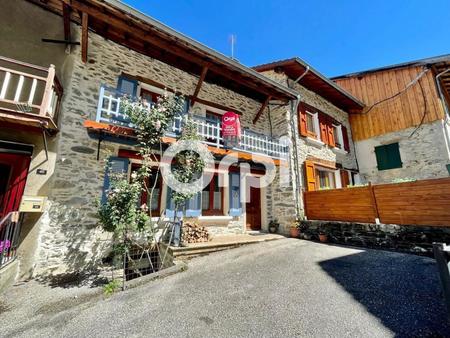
(30,95)
(108,111)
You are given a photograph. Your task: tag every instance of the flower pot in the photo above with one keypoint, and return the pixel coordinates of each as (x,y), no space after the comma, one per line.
(323,238)
(294,232)
(272,230)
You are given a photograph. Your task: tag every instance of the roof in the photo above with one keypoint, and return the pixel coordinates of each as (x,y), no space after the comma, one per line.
(316,82)
(438,63)
(129,27)
(421,62)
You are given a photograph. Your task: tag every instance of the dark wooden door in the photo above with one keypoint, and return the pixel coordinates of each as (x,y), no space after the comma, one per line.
(253,210)
(13,176)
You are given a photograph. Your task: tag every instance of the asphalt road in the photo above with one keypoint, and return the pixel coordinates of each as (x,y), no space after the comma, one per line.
(276,289)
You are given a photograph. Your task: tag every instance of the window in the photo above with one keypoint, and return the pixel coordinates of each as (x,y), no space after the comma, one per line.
(212,198)
(325,179)
(310,123)
(127,86)
(155,203)
(388,156)
(338,136)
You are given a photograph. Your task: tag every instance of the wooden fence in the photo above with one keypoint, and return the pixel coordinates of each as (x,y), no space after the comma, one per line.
(425,202)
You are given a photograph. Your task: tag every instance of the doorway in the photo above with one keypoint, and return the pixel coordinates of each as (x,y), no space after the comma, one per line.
(13,177)
(253,210)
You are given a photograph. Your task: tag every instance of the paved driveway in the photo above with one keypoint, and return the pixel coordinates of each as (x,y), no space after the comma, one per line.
(282,288)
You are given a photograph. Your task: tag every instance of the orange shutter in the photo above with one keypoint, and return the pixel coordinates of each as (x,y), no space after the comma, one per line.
(330,132)
(323,128)
(310,176)
(302,120)
(345,178)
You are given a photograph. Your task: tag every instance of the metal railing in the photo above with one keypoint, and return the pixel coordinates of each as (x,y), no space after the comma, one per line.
(22,91)
(108,111)
(9,237)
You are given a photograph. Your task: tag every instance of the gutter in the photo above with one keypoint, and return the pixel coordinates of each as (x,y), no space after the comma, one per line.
(294,129)
(201,47)
(446,109)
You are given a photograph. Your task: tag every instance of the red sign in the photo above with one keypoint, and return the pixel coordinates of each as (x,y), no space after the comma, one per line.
(231,126)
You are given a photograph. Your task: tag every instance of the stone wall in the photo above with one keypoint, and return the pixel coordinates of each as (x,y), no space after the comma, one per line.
(424,154)
(282,199)
(70,238)
(405,238)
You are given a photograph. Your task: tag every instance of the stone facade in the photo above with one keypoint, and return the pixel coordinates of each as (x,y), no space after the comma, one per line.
(70,238)
(424,154)
(306,149)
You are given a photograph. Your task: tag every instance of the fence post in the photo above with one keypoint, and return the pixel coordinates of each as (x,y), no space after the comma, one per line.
(374,203)
(442,256)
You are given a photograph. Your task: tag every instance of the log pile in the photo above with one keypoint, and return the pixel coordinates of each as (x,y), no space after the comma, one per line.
(194,233)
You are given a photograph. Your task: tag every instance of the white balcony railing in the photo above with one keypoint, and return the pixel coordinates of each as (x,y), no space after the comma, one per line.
(28,89)
(108,111)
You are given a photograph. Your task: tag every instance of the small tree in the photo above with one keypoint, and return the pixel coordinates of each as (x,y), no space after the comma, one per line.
(122,214)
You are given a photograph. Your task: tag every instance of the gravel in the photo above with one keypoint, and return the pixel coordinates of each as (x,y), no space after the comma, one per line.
(283,288)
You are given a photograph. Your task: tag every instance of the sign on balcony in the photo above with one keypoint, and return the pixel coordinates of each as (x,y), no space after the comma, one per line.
(231,129)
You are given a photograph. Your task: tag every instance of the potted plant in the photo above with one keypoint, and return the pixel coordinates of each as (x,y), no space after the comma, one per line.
(323,237)
(273,226)
(302,226)
(294,231)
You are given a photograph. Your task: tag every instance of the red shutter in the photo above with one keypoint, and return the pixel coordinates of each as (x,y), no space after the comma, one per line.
(345,137)
(310,176)
(302,120)
(323,128)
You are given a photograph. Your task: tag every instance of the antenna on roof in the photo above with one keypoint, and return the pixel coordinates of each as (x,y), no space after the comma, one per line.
(233,40)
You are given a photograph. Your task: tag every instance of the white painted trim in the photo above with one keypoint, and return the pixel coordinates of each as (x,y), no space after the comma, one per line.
(339,151)
(314,142)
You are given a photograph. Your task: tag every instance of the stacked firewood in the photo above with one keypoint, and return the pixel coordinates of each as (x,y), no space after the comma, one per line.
(194,233)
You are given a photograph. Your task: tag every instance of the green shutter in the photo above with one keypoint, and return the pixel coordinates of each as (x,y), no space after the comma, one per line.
(388,156)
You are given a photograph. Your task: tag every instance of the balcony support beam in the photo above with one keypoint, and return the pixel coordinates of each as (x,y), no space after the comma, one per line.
(261,110)
(84,37)
(199,84)
(66,20)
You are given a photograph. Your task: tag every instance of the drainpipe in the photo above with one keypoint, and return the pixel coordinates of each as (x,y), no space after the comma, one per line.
(294,130)
(446,109)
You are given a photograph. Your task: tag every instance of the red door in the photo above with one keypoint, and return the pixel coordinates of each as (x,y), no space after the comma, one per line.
(253,210)
(13,177)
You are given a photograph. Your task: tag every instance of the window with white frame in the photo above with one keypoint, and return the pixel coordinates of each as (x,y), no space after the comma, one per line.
(338,137)
(312,125)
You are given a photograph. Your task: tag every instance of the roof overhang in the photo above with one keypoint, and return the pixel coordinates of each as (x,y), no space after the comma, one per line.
(124,25)
(438,64)
(316,82)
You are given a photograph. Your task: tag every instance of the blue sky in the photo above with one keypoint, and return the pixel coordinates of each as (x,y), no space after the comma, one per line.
(334,36)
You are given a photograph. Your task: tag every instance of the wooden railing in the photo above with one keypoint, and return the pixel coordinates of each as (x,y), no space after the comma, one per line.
(29,89)
(425,202)
(108,111)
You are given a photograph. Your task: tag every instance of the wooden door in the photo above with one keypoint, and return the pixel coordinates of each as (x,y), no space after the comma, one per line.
(13,177)
(253,210)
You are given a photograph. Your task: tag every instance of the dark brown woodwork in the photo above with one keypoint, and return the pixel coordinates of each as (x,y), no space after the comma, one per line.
(261,110)
(253,210)
(66,20)
(84,37)
(199,84)
(122,27)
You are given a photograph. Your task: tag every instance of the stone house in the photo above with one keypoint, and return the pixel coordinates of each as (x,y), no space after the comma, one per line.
(322,143)
(92,53)
(403,133)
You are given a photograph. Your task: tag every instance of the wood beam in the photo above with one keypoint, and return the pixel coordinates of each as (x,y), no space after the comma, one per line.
(199,85)
(136,29)
(84,36)
(66,20)
(261,110)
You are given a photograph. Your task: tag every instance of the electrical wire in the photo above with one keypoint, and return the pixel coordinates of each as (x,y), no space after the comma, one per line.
(425,103)
(416,79)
